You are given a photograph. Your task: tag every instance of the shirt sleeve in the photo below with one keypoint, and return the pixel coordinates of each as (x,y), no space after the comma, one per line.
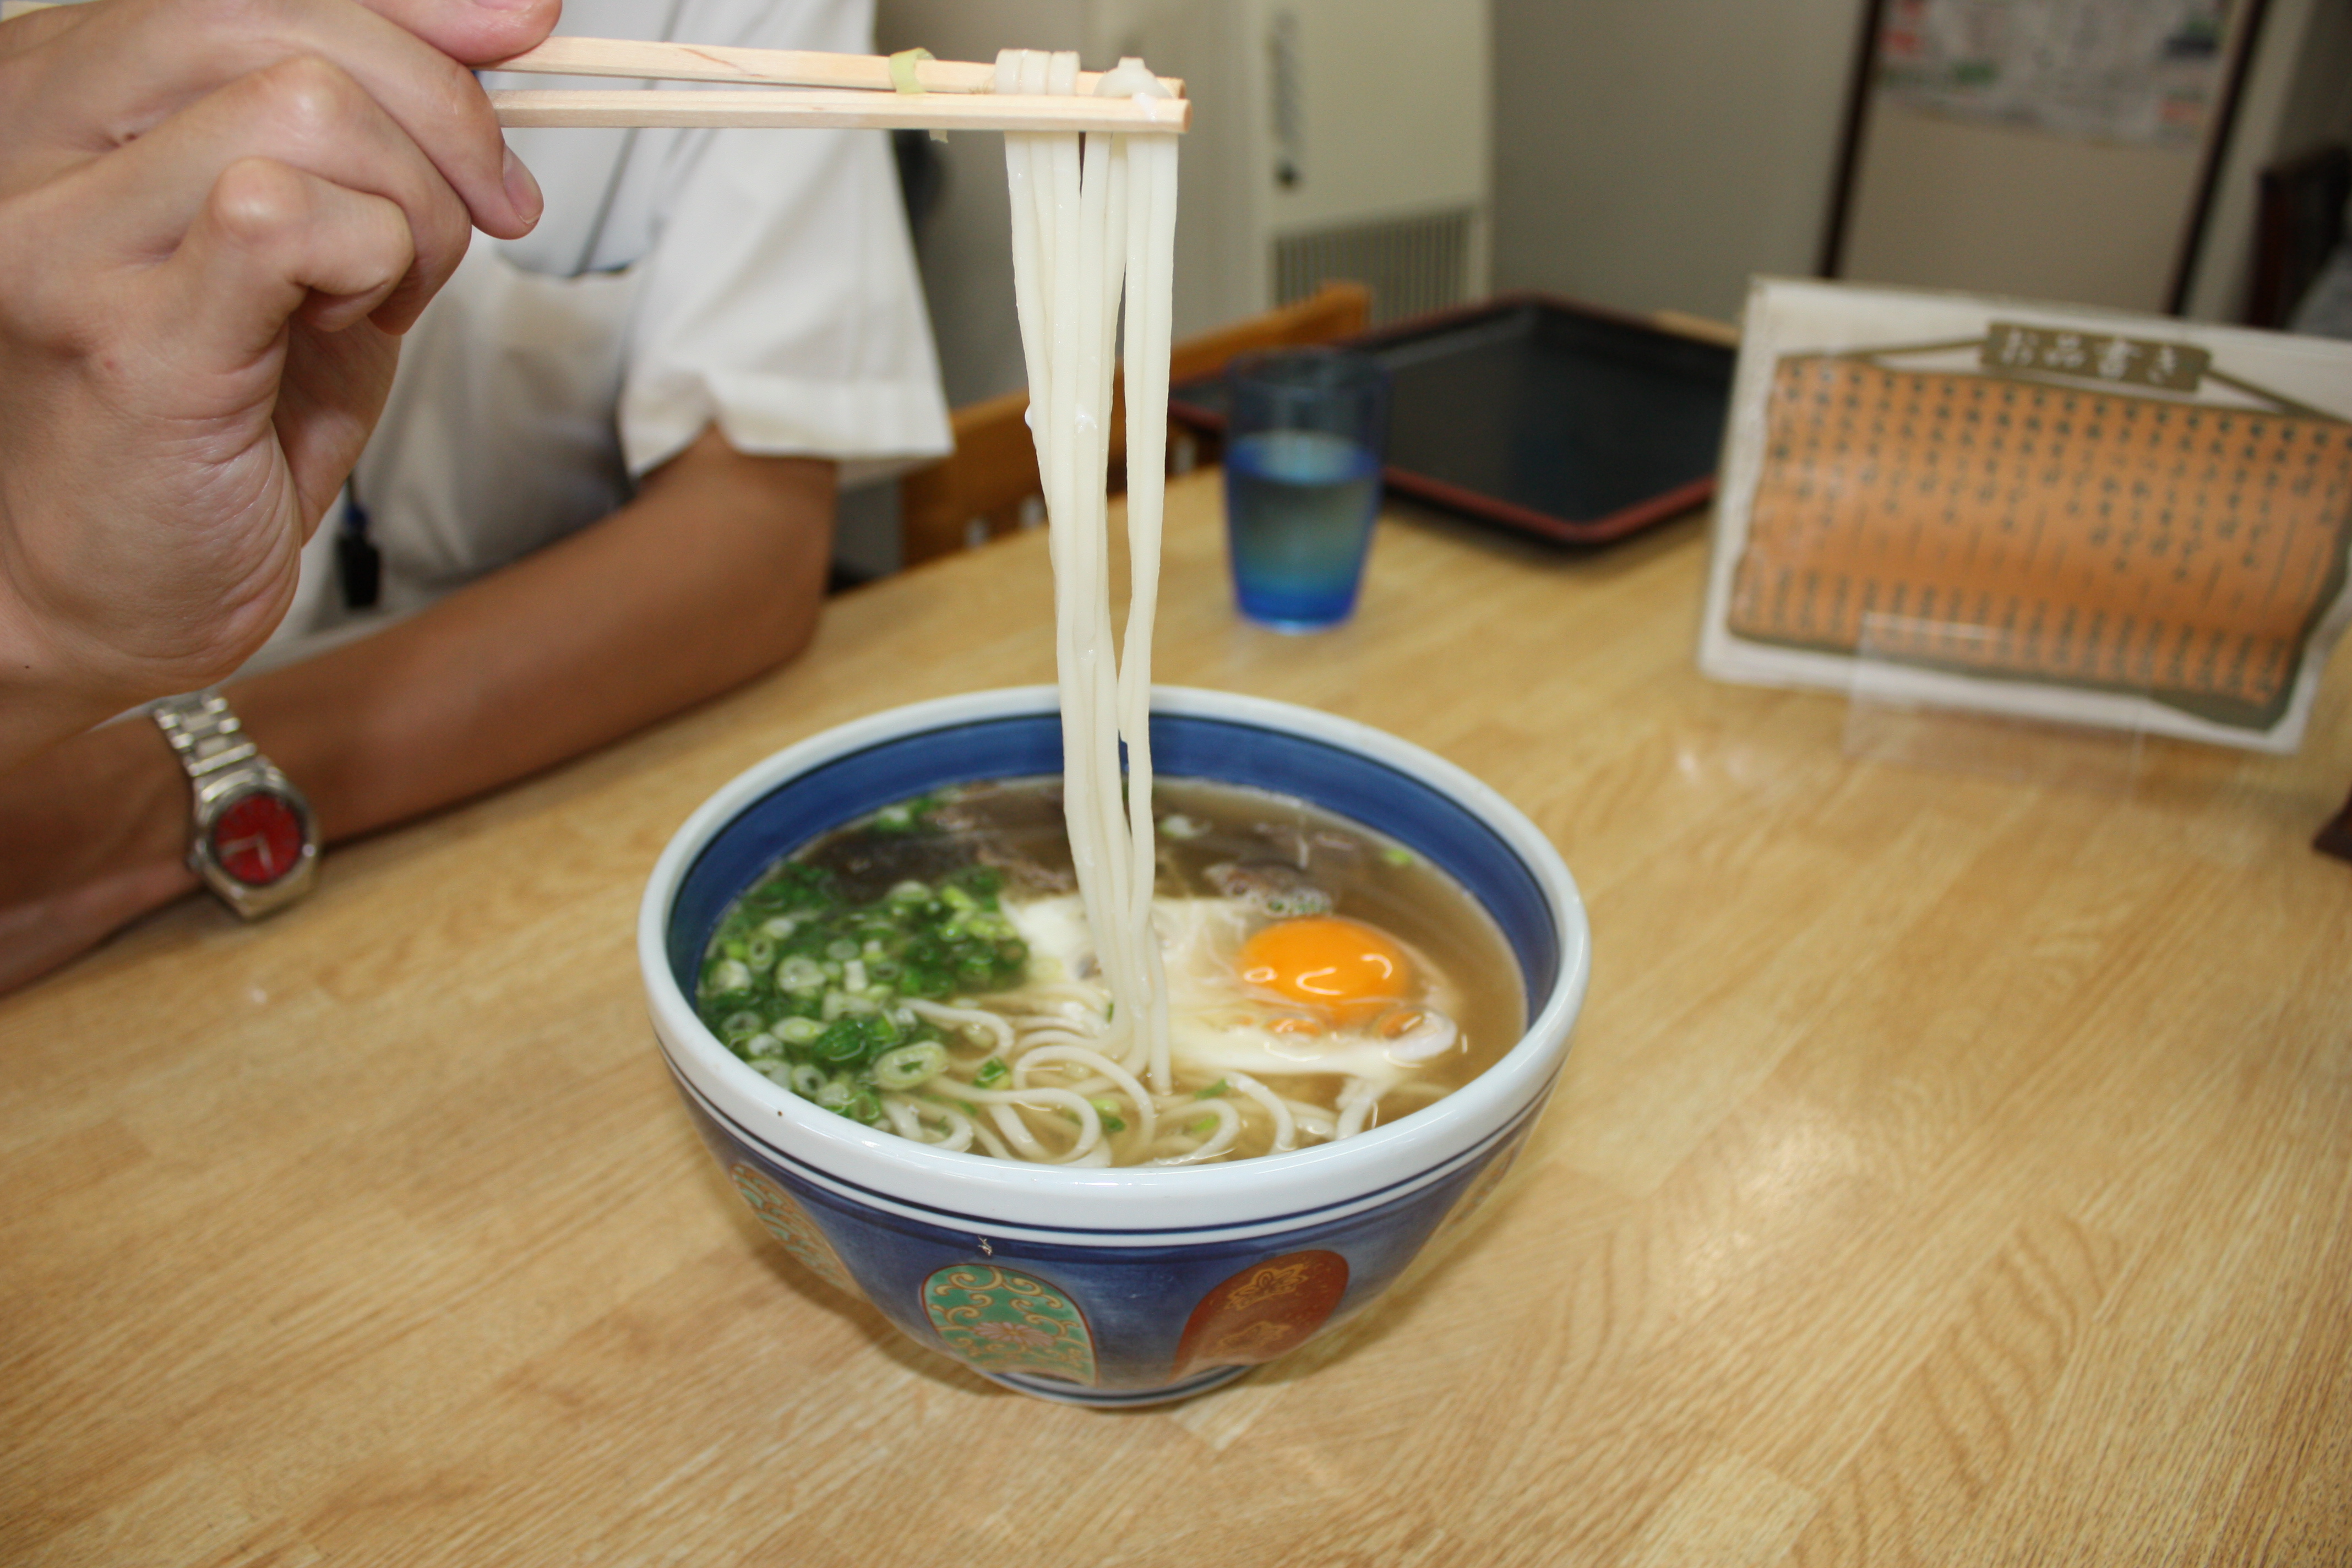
(780,298)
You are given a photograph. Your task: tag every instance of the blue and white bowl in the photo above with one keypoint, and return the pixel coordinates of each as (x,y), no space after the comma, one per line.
(1127,1286)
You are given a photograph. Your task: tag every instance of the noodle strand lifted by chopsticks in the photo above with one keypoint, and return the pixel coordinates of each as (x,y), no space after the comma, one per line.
(1085,220)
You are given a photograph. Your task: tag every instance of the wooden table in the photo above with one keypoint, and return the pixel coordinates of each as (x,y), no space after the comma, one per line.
(1948,1170)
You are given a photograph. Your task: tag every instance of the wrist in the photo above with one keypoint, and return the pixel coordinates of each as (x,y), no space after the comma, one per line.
(109,805)
(93,835)
(45,697)
(55,683)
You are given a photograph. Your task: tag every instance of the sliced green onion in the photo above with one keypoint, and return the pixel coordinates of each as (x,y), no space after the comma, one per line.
(904,1066)
(842,1004)
(842,1041)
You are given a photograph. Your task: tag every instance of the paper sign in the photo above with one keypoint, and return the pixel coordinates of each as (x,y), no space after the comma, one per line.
(2059,513)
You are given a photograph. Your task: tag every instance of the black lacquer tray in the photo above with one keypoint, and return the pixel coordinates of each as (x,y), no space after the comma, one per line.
(1551,418)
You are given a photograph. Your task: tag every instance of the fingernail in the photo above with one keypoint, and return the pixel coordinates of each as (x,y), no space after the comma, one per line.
(523,191)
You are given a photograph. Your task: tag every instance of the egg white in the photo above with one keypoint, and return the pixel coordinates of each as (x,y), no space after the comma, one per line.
(1213,1016)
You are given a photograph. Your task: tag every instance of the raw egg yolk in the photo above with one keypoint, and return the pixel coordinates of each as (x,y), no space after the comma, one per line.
(1348,969)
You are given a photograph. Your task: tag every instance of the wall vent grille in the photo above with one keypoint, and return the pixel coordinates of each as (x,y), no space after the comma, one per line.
(1412,264)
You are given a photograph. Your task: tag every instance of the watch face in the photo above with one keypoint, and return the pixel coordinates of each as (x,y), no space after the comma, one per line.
(258,840)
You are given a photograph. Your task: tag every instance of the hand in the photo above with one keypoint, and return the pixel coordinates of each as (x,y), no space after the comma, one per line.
(213,222)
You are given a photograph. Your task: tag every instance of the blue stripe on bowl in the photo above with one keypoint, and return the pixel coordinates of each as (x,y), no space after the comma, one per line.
(1422,818)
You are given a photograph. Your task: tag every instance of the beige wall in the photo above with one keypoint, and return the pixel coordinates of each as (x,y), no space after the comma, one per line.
(1650,154)
(1653,154)
(1952,203)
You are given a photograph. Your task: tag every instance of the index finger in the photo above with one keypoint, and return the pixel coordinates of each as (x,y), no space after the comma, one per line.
(131,64)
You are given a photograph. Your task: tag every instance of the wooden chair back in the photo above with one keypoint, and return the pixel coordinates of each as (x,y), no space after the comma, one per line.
(989,485)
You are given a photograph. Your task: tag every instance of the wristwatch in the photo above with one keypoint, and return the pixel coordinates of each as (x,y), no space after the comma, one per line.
(254,838)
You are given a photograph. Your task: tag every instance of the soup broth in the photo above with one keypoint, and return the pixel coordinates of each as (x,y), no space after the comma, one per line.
(930,970)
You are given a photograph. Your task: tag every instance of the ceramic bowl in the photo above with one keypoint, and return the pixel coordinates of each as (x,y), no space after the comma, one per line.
(1124,1285)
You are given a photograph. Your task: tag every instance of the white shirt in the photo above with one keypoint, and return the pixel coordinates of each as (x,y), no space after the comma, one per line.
(759,279)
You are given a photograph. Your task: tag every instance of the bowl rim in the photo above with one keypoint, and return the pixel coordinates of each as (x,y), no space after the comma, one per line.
(1125,1199)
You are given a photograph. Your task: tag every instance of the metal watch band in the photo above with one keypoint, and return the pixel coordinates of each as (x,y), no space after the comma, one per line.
(205,735)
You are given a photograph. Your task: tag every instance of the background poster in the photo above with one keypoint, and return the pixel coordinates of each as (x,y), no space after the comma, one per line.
(2143,71)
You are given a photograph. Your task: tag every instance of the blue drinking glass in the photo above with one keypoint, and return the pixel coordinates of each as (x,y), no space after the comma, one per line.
(1303,447)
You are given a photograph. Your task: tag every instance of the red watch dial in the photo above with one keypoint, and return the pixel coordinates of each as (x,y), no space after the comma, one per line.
(258,840)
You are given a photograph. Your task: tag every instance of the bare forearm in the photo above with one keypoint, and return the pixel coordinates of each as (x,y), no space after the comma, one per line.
(715,574)
(569,649)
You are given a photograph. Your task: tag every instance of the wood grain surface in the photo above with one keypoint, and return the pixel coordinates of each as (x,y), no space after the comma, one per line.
(1948,1170)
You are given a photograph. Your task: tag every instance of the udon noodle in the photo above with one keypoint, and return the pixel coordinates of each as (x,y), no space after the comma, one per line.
(1083,222)
(927,970)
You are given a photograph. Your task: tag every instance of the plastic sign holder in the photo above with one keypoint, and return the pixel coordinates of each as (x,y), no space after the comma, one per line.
(1888,720)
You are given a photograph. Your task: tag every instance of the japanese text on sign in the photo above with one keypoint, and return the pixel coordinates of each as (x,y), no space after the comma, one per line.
(2096,357)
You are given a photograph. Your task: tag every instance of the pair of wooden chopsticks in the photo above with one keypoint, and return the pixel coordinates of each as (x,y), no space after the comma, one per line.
(848,90)
(852,91)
